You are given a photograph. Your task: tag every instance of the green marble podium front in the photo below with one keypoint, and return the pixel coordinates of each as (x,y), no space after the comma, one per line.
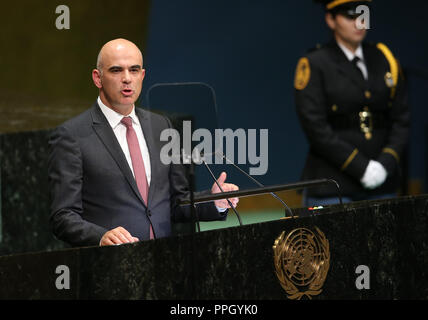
(388,237)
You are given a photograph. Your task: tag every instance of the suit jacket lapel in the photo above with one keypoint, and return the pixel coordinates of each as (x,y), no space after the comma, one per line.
(154,151)
(106,135)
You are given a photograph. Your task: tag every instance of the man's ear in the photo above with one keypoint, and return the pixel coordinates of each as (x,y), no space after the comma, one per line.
(331,22)
(96,77)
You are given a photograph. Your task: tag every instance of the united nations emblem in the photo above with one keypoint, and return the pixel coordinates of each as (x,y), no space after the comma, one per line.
(303,74)
(302,260)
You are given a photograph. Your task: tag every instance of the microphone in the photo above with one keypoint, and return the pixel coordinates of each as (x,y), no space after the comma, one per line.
(218,185)
(256,182)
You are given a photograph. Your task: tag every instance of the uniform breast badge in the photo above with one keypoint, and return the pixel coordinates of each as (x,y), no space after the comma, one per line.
(389,80)
(302,260)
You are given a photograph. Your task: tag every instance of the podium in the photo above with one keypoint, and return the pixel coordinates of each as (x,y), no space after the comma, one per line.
(386,237)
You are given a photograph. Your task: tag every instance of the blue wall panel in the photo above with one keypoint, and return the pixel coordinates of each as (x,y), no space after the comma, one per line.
(247,50)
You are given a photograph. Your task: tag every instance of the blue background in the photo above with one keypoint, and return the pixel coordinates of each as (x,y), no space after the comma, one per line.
(247,51)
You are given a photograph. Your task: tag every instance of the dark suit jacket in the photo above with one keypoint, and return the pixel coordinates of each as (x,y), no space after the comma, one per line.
(93,189)
(328,107)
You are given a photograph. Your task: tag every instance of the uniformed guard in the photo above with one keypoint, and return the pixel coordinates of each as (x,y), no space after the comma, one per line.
(351,102)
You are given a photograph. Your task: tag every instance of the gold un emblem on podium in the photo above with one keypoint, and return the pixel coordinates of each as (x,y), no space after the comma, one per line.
(302,260)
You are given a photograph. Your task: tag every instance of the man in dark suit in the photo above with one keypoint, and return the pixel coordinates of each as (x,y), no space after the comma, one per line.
(108,183)
(351,103)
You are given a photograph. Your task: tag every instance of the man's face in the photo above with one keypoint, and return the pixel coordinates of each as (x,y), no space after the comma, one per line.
(121,76)
(345,28)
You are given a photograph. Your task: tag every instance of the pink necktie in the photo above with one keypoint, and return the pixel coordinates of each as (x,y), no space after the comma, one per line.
(137,162)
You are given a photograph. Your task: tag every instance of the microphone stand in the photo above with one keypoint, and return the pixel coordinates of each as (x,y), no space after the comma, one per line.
(221,189)
(260,185)
(262,190)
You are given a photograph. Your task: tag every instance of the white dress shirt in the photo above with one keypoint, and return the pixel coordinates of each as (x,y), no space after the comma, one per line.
(119,130)
(358,53)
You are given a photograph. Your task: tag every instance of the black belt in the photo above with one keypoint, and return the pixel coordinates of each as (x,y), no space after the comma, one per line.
(373,120)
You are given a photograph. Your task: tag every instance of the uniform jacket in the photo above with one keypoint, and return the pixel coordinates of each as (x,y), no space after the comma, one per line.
(337,106)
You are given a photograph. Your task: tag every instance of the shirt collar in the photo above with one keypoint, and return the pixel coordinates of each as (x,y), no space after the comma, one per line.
(114,117)
(349,54)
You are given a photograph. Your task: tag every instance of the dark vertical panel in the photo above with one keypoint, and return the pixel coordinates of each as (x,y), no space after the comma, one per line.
(45,72)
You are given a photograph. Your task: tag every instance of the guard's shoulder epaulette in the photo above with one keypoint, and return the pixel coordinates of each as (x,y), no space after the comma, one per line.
(385,50)
(394,68)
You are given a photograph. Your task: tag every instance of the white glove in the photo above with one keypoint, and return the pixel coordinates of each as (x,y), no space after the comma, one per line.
(374,176)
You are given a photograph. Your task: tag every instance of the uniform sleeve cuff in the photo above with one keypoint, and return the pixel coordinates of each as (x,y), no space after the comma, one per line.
(389,160)
(355,164)
(221,210)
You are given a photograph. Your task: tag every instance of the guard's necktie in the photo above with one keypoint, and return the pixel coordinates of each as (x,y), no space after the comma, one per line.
(355,63)
(137,162)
